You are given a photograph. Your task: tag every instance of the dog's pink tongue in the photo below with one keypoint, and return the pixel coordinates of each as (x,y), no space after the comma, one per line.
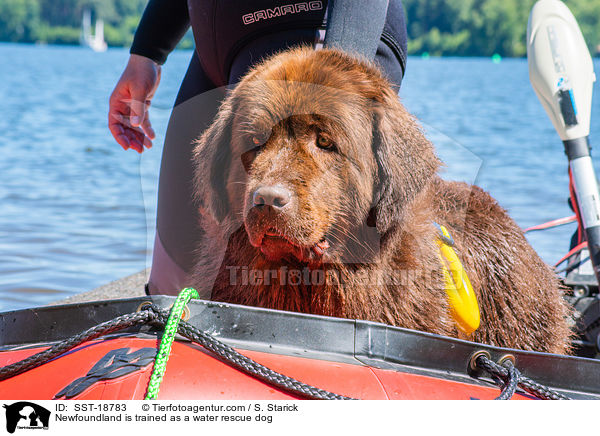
(274,247)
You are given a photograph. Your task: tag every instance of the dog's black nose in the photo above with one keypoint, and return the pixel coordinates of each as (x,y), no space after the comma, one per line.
(276,196)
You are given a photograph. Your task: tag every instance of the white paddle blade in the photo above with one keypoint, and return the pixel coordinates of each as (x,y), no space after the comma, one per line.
(560,68)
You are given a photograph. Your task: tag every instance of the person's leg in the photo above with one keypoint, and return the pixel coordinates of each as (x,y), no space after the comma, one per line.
(177,231)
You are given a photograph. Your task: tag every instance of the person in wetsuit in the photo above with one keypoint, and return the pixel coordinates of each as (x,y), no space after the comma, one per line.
(230,36)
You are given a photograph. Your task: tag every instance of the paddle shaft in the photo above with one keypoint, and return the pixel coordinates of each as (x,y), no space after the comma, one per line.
(586,191)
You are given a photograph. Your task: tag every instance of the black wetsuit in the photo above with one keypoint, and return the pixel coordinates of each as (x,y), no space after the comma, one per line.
(230,36)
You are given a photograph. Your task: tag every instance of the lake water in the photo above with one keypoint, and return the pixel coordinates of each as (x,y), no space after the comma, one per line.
(76,211)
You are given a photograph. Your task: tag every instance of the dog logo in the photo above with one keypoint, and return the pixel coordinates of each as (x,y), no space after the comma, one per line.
(26,415)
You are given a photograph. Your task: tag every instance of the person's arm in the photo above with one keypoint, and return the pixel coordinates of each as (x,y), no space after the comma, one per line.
(162,26)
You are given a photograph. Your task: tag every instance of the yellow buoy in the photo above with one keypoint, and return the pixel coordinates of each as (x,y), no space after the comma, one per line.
(463,302)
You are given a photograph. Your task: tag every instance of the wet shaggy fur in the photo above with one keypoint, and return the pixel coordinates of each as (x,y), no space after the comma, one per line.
(354,234)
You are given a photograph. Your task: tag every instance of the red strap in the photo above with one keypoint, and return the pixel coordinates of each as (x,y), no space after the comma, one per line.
(553,223)
(573,251)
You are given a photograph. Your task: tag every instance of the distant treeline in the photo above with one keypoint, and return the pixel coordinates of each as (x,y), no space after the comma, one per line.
(484,27)
(436,27)
(60,21)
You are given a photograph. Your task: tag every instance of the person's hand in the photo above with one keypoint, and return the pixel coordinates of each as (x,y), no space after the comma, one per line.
(128,106)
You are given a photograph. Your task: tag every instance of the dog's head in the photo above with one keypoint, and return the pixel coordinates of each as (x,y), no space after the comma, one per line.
(306,150)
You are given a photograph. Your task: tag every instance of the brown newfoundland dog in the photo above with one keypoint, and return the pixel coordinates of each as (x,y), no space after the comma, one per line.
(319,193)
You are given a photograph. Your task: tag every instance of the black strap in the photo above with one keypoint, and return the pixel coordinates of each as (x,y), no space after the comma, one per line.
(355,26)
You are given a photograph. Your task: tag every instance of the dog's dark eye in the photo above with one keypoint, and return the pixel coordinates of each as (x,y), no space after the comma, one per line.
(256,143)
(324,142)
(248,157)
(259,139)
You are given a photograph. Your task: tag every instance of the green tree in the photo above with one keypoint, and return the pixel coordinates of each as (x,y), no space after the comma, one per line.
(484,27)
(19,20)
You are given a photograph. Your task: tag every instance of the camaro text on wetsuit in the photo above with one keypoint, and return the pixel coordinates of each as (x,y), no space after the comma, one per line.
(265,14)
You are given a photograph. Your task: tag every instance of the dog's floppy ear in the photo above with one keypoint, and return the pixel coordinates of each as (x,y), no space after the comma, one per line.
(212,157)
(406,161)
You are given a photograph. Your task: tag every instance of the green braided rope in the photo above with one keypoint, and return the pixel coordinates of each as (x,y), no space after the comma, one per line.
(164,350)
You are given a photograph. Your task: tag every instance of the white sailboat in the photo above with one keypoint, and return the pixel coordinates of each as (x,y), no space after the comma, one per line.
(95,42)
